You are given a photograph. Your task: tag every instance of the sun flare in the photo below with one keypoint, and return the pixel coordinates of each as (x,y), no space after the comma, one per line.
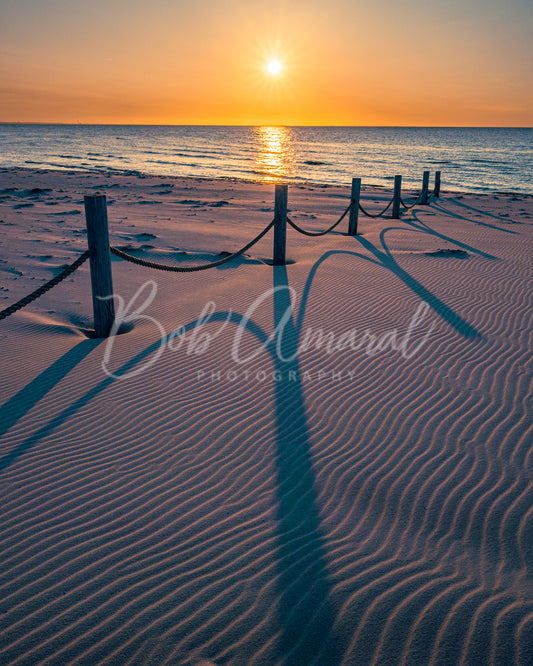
(274,67)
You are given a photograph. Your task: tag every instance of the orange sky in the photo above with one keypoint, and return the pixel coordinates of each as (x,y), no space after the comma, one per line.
(345,62)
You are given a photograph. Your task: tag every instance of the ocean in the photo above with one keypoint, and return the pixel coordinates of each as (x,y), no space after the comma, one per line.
(470,159)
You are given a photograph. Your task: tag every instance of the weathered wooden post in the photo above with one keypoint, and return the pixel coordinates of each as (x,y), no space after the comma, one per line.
(425,186)
(436,189)
(100,261)
(354,209)
(397,197)
(280,224)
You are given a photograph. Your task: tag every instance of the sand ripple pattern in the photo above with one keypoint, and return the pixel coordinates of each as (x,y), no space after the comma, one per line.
(379,517)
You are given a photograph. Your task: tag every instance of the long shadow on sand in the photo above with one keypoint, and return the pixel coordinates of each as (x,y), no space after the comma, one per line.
(21,403)
(386,260)
(383,258)
(305,608)
(417,224)
(442,209)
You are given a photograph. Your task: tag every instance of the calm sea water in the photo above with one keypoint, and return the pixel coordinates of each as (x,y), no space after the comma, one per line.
(470,159)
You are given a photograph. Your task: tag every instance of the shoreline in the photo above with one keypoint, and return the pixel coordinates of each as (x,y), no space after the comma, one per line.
(247,181)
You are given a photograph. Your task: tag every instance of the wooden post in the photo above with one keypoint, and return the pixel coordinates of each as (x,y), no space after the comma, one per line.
(397,197)
(436,190)
(100,260)
(354,210)
(280,225)
(425,186)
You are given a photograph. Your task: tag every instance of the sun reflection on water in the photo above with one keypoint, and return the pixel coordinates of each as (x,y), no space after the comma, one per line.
(275,154)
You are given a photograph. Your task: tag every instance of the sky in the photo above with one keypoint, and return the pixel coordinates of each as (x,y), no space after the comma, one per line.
(204,62)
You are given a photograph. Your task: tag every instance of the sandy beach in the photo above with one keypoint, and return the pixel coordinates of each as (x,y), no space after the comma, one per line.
(235,480)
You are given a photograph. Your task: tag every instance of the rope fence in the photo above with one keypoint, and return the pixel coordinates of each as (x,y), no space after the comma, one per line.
(100,251)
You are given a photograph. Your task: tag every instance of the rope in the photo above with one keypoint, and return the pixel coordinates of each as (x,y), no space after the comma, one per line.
(45,287)
(188,269)
(419,197)
(379,214)
(319,233)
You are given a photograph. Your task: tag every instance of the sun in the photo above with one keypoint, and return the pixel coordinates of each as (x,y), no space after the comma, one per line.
(274,67)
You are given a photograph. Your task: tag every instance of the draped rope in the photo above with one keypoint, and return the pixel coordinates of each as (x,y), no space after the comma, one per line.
(45,287)
(417,201)
(319,233)
(378,214)
(189,269)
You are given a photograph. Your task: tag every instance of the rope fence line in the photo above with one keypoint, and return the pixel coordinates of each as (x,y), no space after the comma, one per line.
(396,202)
(100,250)
(45,287)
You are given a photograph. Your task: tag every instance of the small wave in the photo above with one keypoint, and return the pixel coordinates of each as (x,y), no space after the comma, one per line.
(479,160)
(161,162)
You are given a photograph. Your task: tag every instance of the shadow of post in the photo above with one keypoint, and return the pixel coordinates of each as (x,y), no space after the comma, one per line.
(440,207)
(386,260)
(306,614)
(21,403)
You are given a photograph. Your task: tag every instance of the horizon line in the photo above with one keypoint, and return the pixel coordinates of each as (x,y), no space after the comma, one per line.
(102,124)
